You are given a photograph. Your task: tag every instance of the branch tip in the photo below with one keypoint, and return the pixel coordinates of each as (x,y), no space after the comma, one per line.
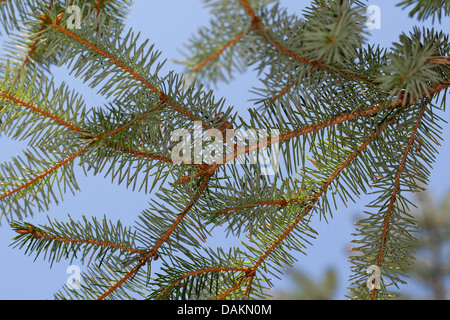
(29,230)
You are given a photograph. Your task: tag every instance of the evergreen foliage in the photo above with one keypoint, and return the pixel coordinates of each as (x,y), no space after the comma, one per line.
(349,118)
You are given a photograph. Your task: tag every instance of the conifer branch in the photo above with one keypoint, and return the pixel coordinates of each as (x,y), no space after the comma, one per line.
(396,189)
(197,272)
(162,96)
(318,55)
(283,92)
(320,192)
(307,129)
(216,54)
(122,128)
(280,203)
(40,111)
(295,133)
(33,46)
(138,153)
(46,173)
(340,118)
(237,285)
(249,285)
(316,64)
(164,238)
(29,54)
(307,209)
(441,60)
(72,127)
(130,151)
(39,235)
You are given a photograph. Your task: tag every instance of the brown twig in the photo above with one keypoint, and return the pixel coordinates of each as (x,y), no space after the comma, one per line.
(162,96)
(283,92)
(99,6)
(39,235)
(47,172)
(197,272)
(139,154)
(257,23)
(280,203)
(40,111)
(308,208)
(33,46)
(164,238)
(216,54)
(396,189)
(72,157)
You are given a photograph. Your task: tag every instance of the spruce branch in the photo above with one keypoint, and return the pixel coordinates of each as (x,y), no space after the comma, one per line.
(55,24)
(283,92)
(314,127)
(396,189)
(307,209)
(47,172)
(100,4)
(138,153)
(195,273)
(92,140)
(33,46)
(296,133)
(13,12)
(218,52)
(28,183)
(164,238)
(62,240)
(38,235)
(40,116)
(292,134)
(32,51)
(386,241)
(199,275)
(316,64)
(40,111)
(347,117)
(426,9)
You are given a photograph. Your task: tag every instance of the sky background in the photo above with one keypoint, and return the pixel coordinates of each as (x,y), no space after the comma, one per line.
(169,24)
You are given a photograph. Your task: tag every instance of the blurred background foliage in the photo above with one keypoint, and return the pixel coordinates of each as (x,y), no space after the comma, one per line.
(429,277)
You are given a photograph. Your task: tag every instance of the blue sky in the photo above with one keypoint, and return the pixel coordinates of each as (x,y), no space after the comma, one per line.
(169,24)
